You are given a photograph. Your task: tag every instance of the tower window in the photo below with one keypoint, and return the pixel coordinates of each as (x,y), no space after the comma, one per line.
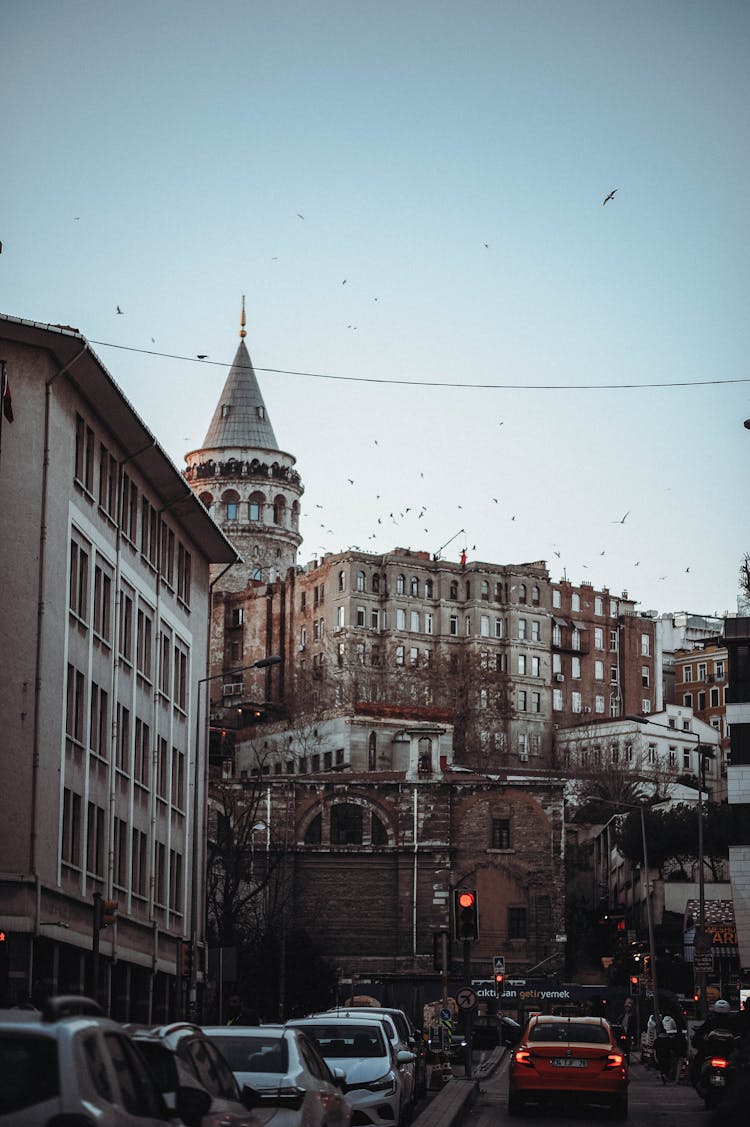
(225,410)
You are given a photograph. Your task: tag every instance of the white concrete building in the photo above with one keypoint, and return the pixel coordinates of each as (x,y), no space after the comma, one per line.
(104,554)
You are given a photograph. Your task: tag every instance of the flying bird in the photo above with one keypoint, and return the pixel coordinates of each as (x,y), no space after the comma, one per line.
(611,196)
(622,521)
(557,554)
(203,356)
(300,216)
(118,309)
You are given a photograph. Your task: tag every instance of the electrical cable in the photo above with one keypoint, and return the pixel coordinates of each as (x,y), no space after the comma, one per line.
(431,383)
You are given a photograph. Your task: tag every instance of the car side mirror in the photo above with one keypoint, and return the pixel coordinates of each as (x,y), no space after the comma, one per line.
(339,1077)
(405,1057)
(250,1098)
(191,1104)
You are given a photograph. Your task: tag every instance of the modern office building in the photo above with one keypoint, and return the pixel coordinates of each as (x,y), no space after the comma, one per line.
(105,556)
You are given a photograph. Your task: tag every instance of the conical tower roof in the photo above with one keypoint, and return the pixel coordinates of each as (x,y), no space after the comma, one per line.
(240,418)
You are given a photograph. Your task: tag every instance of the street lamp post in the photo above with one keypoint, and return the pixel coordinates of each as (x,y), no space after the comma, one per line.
(699,939)
(262,663)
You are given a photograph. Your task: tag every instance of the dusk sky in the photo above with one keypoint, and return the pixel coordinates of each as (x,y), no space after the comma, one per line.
(440,307)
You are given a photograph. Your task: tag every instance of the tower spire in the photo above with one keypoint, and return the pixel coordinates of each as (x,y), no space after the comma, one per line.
(243,334)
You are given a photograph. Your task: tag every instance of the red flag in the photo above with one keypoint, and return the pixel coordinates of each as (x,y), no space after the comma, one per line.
(7,398)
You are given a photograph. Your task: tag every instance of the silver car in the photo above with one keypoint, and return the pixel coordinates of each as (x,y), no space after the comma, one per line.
(294,1085)
(361,1047)
(69,1064)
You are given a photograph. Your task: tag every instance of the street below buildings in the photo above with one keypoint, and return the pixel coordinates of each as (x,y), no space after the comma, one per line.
(651,1104)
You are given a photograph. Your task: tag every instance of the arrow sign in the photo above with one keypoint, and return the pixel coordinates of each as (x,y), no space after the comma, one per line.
(466,999)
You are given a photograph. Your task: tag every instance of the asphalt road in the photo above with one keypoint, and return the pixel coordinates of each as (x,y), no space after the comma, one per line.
(651,1105)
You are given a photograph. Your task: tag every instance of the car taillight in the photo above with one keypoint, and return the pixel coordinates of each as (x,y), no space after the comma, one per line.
(523,1057)
(718,1062)
(614,1060)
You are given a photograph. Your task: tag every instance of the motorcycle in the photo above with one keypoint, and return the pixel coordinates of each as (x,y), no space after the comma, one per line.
(714,1070)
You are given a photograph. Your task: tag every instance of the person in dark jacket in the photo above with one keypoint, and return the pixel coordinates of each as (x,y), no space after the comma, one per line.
(240,1014)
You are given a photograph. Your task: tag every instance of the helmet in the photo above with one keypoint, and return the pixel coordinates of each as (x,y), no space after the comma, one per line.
(669,1023)
(722,1006)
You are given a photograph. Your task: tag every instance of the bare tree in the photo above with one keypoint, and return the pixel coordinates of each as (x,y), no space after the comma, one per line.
(744,577)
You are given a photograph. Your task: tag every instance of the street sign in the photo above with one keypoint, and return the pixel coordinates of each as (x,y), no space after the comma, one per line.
(445,1015)
(466,999)
(498,964)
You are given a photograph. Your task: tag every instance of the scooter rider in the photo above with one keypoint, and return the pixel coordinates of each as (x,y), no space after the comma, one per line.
(718,1026)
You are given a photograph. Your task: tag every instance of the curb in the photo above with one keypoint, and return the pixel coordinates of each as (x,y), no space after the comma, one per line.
(449,1104)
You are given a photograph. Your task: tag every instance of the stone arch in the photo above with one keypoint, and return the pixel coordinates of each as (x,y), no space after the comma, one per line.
(256,504)
(279,509)
(351,820)
(230,499)
(207,499)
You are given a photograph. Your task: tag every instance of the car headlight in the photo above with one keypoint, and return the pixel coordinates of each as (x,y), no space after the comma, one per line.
(386,1084)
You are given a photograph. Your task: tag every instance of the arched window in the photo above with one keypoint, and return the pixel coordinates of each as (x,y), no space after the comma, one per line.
(256,552)
(207,500)
(255,506)
(522,593)
(231,500)
(257,575)
(535,596)
(342,581)
(361,581)
(468,589)
(454,590)
(485,591)
(295,515)
(346,824)
(372,752)
(414,586)
(428,588)
(376,582)
(279,511)
(400,585)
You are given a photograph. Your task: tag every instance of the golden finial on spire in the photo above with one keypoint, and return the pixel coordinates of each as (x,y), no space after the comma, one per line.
(242,319)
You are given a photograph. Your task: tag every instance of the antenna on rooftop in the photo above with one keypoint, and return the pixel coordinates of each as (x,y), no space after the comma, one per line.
(436,555)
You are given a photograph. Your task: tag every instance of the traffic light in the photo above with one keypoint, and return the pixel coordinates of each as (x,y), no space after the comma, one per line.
(499,984)
(465,914)
(186,960)
(634,984)
(105,911)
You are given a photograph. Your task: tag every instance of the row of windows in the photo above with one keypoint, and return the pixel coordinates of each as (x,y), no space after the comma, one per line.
(158,543)
(254,509)
(412,586)
(576,705)
(87,845)
(601,606)
(671,757)
(133,748)
(703,700)
(702,673)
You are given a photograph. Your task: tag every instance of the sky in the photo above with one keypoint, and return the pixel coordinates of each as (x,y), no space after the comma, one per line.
(458,340)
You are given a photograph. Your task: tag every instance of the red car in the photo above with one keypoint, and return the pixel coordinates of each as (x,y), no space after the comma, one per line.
(568,1059)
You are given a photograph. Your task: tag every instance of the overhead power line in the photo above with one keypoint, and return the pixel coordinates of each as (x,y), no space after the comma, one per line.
(432,383)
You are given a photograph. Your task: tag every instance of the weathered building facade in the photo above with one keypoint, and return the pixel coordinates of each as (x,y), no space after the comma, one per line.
(105,558)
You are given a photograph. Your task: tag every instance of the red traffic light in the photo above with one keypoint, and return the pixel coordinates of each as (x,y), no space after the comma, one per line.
(465,914)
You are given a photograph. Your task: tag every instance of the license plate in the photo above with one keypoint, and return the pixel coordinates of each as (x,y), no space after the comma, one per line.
(569,1062)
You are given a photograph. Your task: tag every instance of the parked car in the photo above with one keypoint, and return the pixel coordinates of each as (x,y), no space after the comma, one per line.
(295,1086)
(69,1064)
(360,1046)
(180,1055)
(402,1035)
(568,1059)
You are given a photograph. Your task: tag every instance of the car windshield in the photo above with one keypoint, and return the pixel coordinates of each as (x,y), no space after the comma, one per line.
(582,1034)
(347,1041)
(253,1053)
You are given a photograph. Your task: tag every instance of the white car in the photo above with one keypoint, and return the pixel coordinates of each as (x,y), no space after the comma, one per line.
(69,1064)
(295,1086)
(360,1046)
(402,1036)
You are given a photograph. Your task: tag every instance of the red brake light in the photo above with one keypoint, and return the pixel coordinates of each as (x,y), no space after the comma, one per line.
(718,1062)
(614,1060)
(523,1056)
